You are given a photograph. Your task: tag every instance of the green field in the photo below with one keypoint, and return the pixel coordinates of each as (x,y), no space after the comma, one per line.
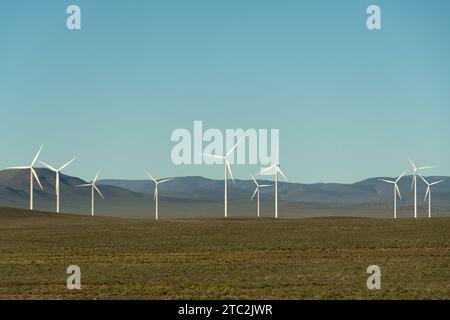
(323,258)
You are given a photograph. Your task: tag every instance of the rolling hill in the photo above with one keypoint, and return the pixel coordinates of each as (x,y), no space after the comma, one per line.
(363,192)
(202,197)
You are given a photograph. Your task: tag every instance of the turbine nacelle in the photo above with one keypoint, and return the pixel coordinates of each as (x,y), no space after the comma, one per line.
(415,170)
(273,169)
(60,168)
(396,190)
(157,182)
(31,167)
(429,185)
(258,187)
(225,158)
(227,171)
(93,185)
(33,174)
(57,171)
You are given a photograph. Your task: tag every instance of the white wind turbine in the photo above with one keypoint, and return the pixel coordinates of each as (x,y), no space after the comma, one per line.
(428,194)
(93,187)
(156,195)
(227,170)
(414,183)
(396,191)
(275,167)
(32,174)
(258,187)
(57,172)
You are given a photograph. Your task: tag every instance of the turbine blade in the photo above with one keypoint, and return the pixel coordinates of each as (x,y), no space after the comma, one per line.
(18,168)
(253,178)
(388,181)
(398,191)
(265,185)
(229,170)
(36,178)
(48,166)
(412,163)
(254,193)
(36,156)
(234,147)
(151,177)
(281,172)
(422,168)
(155,194)
(437,182)
(401,176)
(412,183)
(84,185)
(165,180)
(96,177)
(65,165)
(266,169)
(424,179)
(427,193)
(213,156)
(96,189)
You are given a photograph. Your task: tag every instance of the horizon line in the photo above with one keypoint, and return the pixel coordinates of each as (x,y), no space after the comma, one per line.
(236,179)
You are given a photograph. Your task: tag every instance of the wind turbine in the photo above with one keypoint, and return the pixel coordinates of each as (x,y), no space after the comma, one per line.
(428,194)
(155,195)
(32,175)
(57,172)
(277,169)
(93,187)
(258,187)
(396,191)
(227,170)
(414,183)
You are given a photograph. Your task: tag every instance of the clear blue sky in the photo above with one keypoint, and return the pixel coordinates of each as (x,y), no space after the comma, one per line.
(350,103)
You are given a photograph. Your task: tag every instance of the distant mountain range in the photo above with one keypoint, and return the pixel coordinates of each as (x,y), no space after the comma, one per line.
(366,191)
(198,196)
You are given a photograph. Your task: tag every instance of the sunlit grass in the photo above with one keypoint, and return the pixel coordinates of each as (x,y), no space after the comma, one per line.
(200,259)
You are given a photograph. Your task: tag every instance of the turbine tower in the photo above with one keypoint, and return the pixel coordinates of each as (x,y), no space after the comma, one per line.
(414,183)
(275,167)
(32,175)
(258,187)
(57,172)
(93,187)
(156,195)
(396,191)
(428,194)
(227,170)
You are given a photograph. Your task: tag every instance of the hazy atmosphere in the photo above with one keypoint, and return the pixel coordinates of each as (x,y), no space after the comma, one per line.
(350,104)
(193,152)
